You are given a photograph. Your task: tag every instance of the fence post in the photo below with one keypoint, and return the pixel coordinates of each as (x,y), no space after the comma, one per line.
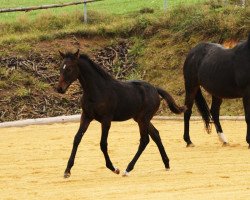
(165,5)
(243,3)
(85,16)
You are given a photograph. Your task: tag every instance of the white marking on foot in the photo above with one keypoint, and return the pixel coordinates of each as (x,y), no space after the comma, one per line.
(125,173)
(222,137)
(64,66)
(117,171)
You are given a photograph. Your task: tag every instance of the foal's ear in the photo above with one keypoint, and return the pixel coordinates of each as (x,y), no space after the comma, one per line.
(62,54)
(77,54)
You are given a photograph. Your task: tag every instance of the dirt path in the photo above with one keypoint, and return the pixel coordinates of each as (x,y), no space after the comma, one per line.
(33,158)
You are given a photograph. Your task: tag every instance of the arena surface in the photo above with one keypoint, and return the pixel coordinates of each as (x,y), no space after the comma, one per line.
(33,160)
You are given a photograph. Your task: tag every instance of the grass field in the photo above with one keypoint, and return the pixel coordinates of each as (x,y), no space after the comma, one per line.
(160,42)
(107,6)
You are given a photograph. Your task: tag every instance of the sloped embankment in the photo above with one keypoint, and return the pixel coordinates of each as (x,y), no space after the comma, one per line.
(28,82)
(154,49)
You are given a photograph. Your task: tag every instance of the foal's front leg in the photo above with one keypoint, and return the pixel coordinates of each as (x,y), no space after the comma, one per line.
(104,146)
(82,129)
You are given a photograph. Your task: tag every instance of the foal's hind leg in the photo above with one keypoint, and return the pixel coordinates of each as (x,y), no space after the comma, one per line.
(82,129)
(144,140)
(154,133)
(189,102)
(104,146)
(215,112)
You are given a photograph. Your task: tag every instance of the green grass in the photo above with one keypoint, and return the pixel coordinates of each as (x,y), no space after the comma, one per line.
(107,6)
(22,92)
(160,40)
(162,58)
(22,48)
(58,23)
(17,77)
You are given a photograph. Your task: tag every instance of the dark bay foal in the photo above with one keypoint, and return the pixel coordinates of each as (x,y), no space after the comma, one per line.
(106,99)
(224,73)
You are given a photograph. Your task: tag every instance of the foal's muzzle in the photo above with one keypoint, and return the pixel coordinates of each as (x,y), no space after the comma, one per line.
(62,85)
(60,90)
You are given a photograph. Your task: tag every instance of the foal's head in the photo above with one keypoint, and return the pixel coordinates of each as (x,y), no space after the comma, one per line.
(69,71)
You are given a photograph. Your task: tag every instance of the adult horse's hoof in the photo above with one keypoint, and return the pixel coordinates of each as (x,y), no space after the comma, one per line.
(66,174)
(125,174)
(225,144)
(116,171)
(190,145)
(249,146)
(222,137)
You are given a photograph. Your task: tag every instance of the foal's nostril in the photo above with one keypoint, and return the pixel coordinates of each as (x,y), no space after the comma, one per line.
(59,89)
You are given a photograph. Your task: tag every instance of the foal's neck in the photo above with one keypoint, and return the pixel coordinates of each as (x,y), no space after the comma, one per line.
(93,79)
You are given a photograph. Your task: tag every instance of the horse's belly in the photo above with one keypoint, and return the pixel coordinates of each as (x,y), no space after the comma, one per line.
(218,90)
(219,81)
(122,115)
(121,118)
(125,111)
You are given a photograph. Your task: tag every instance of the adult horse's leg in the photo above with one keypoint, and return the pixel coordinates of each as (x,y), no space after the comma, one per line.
(144,140)
(246,103)
(104,146)
(82,129)
(189,102)
(215,112)
(154,134)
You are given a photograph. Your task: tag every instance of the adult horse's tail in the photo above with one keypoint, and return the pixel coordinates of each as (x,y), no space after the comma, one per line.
(204,110)
(171,102)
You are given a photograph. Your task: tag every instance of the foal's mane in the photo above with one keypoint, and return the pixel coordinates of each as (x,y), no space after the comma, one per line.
(95,66)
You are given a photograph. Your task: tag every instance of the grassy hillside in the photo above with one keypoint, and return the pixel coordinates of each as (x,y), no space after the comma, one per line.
(157,46)
(166,50)
(55,23)
(106,6)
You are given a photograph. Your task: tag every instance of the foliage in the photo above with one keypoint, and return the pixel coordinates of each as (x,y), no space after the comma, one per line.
(161,42)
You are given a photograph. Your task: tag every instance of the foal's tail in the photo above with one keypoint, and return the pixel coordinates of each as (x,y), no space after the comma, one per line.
(204,110)
(171,102)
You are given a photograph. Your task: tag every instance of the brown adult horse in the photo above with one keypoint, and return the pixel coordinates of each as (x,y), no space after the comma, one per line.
(106,99)
(224,73)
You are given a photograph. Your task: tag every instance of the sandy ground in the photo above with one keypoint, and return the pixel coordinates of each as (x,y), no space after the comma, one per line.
(33,159)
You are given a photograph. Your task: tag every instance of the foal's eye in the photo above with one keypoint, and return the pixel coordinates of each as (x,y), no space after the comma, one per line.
(68,69)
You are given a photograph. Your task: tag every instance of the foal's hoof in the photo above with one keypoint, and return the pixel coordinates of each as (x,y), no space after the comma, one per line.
(116,171)
(168,169)
(190,145)
(225,144)
(67,174)
(249,146)
(125,174)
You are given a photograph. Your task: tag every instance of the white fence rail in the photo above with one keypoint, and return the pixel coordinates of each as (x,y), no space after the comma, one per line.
(76,118)
(27,9)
